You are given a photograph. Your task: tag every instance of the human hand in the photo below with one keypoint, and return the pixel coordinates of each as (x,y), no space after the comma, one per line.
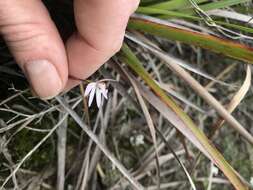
(38,49)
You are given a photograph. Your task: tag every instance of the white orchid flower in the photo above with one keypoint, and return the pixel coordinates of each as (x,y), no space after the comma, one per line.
(98,88)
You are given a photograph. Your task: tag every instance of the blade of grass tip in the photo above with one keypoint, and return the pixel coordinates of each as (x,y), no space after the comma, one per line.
(157,27)
(199,89)
(103,148)
(169,109)
(238,97)
(235,101)
(149,121)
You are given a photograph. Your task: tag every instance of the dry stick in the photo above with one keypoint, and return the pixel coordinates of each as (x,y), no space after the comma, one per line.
(120,167)
(61,152)
(173,64)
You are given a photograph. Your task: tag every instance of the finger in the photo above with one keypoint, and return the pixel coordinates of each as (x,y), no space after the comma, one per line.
(101,26)
(36,45)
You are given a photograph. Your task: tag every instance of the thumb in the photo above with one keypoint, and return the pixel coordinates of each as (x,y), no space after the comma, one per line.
(36,45)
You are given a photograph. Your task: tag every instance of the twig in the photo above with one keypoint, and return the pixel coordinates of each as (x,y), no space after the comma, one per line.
(61,152)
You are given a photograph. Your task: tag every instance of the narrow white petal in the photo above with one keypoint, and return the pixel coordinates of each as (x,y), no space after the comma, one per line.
(98,97)
(91,97)
(103,89)
(105,93)
(89,87)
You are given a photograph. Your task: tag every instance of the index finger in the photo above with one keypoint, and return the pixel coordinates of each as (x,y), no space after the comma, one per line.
(101,26)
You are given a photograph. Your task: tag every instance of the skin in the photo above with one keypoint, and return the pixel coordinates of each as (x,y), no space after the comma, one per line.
(50,65)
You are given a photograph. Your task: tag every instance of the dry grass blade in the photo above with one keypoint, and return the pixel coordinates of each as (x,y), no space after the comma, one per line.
(13,97)
(149,122)
(238,97)
(199,89)
(231,15)
(61,152)
(120,167)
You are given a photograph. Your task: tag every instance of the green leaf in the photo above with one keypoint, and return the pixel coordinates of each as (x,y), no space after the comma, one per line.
(215,44)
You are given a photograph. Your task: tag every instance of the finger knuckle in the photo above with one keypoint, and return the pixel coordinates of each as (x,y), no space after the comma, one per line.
(23,37)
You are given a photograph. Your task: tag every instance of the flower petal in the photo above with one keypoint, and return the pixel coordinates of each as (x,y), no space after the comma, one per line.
(103,89)
(89,87)
(91,97)
(98,97)
(105,93)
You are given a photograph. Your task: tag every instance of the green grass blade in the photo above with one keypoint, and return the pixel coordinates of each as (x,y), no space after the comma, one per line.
(221,4)
(185,4)
(132,61)
(215,44)
(165,14)
(175,4)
